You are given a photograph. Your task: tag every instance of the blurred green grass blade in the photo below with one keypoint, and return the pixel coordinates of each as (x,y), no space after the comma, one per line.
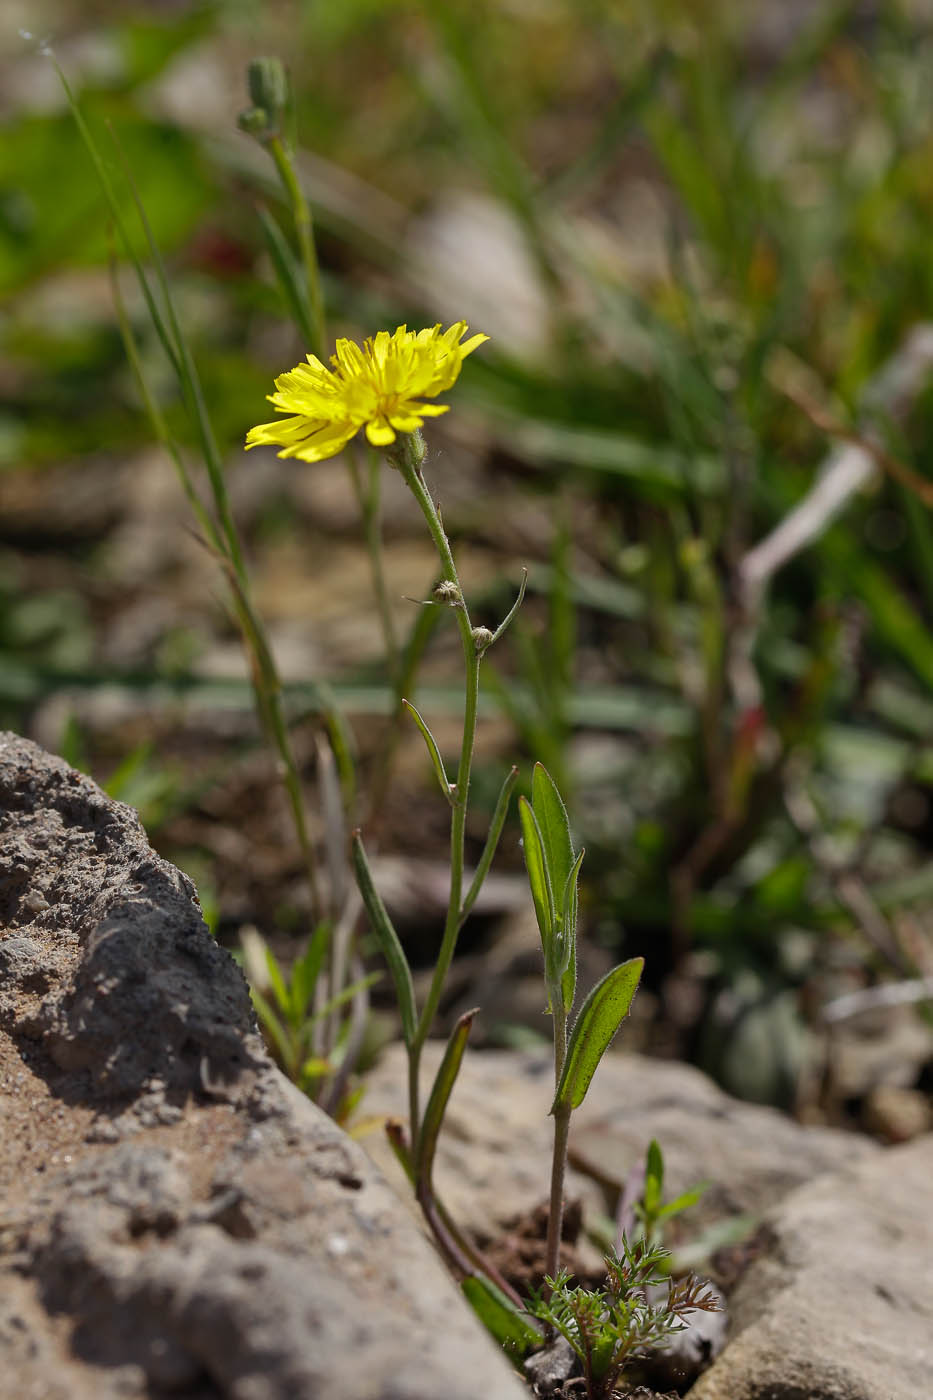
(471,97)
(895,621)
(307,969)
(614,454)
(600,1017)
(158,320)
(189,381)
(347,994)
(277,982)
(273,1028)
(155,415)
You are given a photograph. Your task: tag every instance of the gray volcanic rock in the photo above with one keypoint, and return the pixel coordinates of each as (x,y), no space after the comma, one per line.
(175,1218)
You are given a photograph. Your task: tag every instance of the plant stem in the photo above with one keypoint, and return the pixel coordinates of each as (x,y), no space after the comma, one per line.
(368,498)
(407,457)
(304,231)
(561,1135)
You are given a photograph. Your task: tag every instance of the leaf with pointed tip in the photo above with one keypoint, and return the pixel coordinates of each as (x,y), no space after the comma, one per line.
(568,980)
(444,1082)
(389,943)
(684,1202)
(654,1178)
(434,752)
(569,921)
(492,841)
(554,824)
(600,1017)
(307,970)
(541,891)
(277,982)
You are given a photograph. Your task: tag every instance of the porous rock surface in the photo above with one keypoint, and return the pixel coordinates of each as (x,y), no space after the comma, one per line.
(840,1304)
(175,1219)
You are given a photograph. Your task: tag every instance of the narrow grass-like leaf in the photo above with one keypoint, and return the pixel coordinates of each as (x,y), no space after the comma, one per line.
(492,841)
(110,194)
(290,277)
(277,982)
(441,1090)
(388,941)
(434,752)
(345,995)
(689,1198)
(541,892)
(308,968)
(554,825)
(155,416)
(273,1029)
(512,610)
(600,1017)
(511,1327)
(188,379)
(654,1178)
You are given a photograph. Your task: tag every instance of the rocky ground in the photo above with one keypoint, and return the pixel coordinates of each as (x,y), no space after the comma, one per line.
(176,1220)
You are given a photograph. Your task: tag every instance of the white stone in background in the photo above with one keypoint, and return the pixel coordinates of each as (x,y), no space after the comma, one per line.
(469,258)
(840,1307)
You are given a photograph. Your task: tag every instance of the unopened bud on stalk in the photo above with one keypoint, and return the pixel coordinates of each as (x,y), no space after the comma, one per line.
(268,118)
(448,592)
(481,638)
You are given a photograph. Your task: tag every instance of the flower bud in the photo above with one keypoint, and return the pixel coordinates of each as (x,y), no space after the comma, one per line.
(448,592)
(481,638)
(268,118)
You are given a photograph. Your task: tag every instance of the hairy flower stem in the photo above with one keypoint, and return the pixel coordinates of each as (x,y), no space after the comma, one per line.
(407,457)
(368,499)
(304,232)
(561,1134)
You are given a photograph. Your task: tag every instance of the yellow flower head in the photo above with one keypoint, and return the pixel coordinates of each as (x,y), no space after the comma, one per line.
(379,387)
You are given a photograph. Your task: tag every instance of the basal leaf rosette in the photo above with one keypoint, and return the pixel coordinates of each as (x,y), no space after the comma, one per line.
(380,386)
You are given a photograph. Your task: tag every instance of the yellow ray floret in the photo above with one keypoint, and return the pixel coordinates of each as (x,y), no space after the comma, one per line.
(379,386)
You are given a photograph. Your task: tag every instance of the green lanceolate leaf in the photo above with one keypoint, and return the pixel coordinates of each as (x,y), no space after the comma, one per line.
(568,980)
(600,1017)
(511,1327)
(388,940)
(441,1090)
(684,1202)
(433,751)
(492,841)
(307,970)
(277,982)
(554,825)
(541,891)
(654,1178)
